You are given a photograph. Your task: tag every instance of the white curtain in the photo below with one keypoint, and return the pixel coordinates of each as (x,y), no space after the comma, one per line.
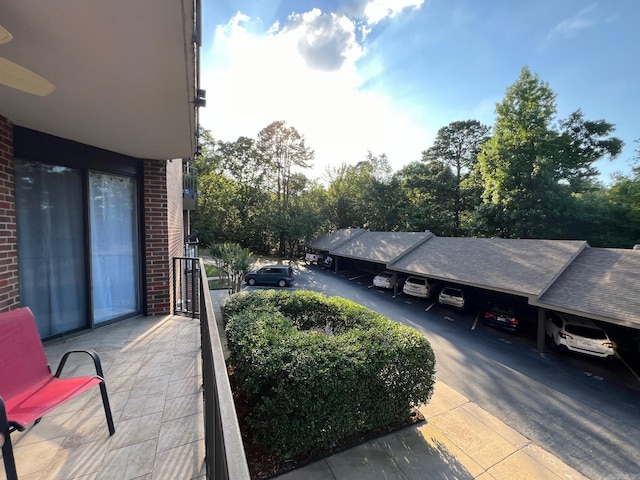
(114,246)
(50,246)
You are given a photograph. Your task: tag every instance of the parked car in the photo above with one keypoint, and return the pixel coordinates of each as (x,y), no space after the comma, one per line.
(501,316)
(388,280)
(579,335)
(417,287)
(453,297)
(280,275)
(313,258)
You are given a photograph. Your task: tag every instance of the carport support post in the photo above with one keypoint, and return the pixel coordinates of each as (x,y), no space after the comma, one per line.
(542,313)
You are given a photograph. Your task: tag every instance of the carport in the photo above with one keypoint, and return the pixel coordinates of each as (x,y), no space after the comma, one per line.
(563,275)
(525,268)
(600,284)
(327,243)
(375,251)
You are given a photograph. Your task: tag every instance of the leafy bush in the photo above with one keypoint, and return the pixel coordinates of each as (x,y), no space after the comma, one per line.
(322,369)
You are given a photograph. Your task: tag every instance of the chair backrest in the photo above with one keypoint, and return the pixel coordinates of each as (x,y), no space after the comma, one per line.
(23,362)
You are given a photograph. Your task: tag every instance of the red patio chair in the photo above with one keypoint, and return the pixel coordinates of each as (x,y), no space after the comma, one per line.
(28,390)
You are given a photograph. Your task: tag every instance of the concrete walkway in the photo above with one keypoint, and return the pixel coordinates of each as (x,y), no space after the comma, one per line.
(458,441)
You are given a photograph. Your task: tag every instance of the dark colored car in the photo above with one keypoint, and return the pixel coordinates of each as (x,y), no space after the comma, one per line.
(280,275)
(501,317)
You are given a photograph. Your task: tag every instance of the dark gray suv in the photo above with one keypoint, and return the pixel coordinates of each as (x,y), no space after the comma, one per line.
(280,275)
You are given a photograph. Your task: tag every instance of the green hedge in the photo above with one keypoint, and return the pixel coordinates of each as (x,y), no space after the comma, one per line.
(321,369)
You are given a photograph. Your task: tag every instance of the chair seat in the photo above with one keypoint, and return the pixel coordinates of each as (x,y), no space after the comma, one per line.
(36,402)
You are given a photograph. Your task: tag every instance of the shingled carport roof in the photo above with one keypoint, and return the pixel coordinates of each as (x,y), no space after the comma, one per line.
(600,283)
(521,267)
(335,239)
(380,247)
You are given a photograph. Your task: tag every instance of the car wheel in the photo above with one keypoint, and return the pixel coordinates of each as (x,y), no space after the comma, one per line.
(252,281)
(282,283)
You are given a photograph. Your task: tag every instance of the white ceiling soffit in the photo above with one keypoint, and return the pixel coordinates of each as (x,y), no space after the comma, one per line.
(118,75)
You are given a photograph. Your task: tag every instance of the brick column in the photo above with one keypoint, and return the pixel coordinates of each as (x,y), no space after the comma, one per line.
(158,260)
(9,289)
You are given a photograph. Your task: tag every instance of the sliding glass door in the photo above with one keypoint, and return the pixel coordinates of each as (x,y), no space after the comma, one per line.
(78,246)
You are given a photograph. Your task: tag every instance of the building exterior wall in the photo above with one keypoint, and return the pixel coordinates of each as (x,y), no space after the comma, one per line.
(9,288)
(176,230)
(163,231)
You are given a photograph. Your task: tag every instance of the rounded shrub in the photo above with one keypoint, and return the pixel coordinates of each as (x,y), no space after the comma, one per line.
(320,370)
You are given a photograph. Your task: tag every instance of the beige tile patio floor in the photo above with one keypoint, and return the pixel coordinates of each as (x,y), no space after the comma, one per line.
(153,374)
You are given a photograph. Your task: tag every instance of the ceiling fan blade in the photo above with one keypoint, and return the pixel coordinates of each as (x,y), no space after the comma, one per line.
(21,78)
(5,36)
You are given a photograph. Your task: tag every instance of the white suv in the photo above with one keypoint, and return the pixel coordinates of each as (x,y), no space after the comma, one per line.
(453,297)
(579,335)
(388,280)
(417,287)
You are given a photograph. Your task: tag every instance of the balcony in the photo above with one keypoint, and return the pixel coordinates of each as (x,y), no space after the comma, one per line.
(189,186)
(155,370)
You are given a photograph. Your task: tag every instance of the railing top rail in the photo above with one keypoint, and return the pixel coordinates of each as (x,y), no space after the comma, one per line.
(234,448)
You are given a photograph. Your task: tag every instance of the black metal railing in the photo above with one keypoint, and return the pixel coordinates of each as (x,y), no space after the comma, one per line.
(186,286)
(224,452)
(189,186)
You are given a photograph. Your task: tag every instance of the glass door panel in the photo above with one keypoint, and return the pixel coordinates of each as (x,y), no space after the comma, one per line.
(115,263)
(50,246)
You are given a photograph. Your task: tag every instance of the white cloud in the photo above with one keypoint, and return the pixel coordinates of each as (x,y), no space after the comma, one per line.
(326,42)
(373,11)
(305,74)
(579,21)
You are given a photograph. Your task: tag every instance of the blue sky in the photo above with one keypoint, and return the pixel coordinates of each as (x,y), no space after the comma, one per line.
(354,76)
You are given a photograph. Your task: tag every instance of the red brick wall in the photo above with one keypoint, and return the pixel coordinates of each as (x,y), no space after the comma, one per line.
(163,231)
(9,292)
(156,239)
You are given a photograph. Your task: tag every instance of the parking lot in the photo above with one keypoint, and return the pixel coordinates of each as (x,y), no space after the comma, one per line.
(624,369)
(584,410)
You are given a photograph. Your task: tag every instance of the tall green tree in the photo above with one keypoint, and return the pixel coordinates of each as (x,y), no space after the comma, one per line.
(283,149)
(530,168)
(579,144)
(428,192)
(241,162)
(515,163)
(344,197)
(457,146)
(364,195)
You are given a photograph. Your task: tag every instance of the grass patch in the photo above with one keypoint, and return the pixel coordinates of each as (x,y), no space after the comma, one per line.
(221,284)
(212,270)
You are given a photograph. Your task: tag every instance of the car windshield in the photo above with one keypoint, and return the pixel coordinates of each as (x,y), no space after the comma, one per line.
(452,293)
(587,332)
(385,275)
(417,281)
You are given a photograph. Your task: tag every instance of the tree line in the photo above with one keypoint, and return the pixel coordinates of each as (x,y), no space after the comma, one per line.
(530,175)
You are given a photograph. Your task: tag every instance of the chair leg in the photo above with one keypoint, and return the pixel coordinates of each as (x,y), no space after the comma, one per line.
(107,408)
(7,456)
(7,448)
